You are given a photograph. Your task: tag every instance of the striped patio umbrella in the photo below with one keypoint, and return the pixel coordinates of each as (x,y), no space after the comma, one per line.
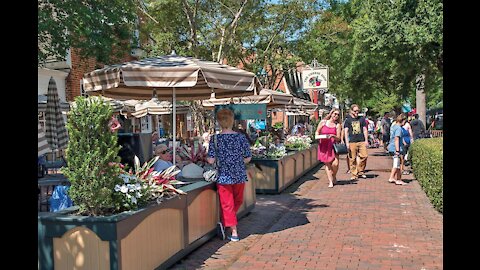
(192,79)
(273,99)
(140,108)
(299,103)
(55,130)
(170,76)
(43,147)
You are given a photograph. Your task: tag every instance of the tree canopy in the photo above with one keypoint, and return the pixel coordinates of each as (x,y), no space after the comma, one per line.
(376,50)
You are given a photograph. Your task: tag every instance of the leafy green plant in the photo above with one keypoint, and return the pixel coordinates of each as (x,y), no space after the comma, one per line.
(427,164)
(92,146)
(143,185)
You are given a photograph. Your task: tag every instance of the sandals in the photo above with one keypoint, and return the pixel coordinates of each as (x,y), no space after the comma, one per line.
(392,180)
(330,185)
(400,183)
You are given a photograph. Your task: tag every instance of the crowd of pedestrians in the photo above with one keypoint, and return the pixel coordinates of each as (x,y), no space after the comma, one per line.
(394,133)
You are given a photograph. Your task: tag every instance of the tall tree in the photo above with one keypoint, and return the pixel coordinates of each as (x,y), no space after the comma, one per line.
(408,34)
(99,28)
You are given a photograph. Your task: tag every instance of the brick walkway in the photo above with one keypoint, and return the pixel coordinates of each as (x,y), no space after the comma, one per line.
(363,224)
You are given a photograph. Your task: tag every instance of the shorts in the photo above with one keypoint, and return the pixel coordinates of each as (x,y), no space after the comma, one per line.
(385,138)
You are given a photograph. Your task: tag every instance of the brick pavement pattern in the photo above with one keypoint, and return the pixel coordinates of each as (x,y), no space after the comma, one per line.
(359,224)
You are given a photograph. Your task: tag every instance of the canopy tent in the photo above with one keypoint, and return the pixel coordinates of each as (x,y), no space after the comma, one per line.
(273,99)
(174,76)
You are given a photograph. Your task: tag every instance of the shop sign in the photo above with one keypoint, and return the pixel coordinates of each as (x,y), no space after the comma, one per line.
(246,111)
(316,78)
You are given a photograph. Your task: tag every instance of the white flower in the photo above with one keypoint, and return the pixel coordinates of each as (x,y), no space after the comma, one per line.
(131,187)
(117,188)
(138,195)
(125,178)
(138,186)
(124,189)
(134,200)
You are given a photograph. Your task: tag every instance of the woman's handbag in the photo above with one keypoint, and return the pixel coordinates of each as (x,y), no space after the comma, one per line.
(340,148)
(211,174)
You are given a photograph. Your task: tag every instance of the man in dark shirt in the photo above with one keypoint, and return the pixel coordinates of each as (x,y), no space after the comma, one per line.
(356,139)
(385,128)
(418,128)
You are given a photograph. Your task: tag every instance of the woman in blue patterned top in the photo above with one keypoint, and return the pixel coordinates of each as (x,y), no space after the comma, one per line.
(233,153)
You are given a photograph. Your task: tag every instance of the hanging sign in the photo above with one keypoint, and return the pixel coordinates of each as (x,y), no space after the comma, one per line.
(246,111)
(316,78)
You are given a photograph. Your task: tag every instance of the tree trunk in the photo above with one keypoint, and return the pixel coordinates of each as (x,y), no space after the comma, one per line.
(198,116)
(421,97)
(222,40)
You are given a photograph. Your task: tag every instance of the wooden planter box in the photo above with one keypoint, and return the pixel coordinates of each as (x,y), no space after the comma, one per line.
(272,176)
(151,238)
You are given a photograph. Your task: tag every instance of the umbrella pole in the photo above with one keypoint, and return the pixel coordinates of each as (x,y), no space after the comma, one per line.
(174,125)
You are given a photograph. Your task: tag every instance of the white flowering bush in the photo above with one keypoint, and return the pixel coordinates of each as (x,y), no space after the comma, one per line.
(276,152)
(294,142)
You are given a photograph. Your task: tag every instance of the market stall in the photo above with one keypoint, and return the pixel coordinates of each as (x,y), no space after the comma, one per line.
(158,235)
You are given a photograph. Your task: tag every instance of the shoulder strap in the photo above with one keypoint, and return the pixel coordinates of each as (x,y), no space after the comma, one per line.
(216,146)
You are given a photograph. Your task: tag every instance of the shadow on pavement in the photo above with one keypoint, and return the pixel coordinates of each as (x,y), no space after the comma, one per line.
(346,182)
(263,219)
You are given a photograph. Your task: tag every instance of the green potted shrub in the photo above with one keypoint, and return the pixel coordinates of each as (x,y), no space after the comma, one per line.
(115,207)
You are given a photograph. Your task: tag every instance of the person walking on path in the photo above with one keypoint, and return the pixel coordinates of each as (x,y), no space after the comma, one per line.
(407,139)
(233,153)
(396,148)
(418,128)
(330,127)
(356,137)
(345,141)
(385,126)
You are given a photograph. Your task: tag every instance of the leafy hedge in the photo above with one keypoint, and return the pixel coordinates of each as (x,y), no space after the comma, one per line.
(427,165)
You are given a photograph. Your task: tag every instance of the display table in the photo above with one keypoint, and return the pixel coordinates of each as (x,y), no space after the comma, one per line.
(272,176)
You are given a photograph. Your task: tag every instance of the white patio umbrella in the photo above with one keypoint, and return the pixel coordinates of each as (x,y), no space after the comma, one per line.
(55,130)
(174,76)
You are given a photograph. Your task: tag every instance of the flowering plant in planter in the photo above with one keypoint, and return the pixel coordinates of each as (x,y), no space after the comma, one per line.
(144,186)
(197,155)
(100,185)
(294,142)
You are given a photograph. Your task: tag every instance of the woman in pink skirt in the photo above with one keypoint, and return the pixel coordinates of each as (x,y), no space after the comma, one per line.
(330,127)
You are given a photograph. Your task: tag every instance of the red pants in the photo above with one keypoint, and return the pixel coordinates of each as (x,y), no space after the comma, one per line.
(231,198)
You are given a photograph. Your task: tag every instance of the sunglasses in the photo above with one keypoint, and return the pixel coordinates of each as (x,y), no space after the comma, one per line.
(356,111)
(166,151)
